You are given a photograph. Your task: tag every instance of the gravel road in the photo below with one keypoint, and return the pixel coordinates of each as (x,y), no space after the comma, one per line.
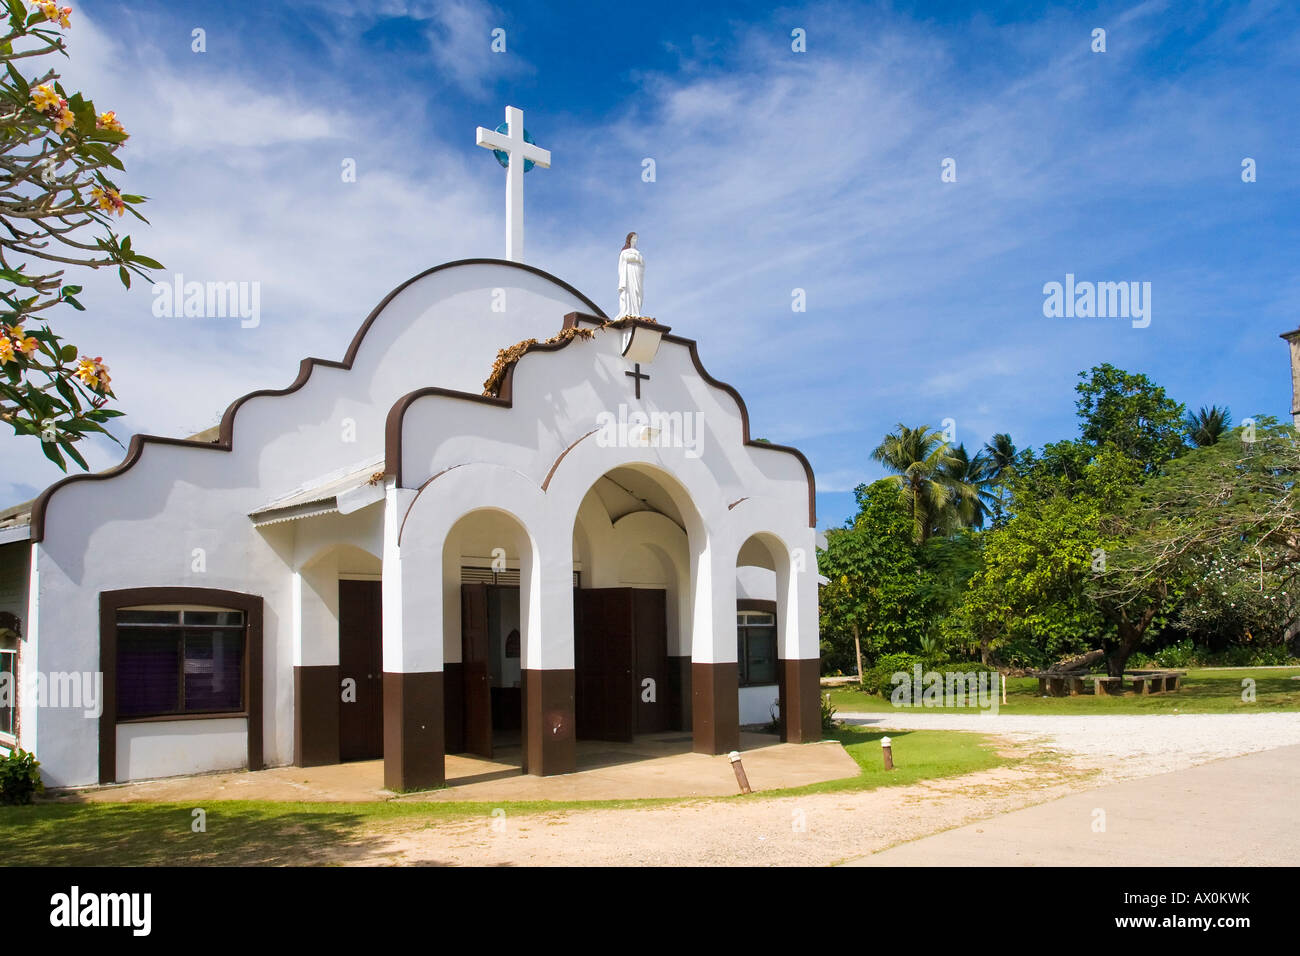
(1148,743)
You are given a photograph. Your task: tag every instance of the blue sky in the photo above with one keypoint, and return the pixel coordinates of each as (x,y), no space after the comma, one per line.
(775,171)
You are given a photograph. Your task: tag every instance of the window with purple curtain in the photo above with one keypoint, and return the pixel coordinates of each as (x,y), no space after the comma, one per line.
(179,662)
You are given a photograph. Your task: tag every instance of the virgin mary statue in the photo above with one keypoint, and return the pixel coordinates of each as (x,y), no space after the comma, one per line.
(631,275)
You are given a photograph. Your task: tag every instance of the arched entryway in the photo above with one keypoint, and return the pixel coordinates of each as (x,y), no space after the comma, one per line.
(775,681)
(487,583)
(632,542)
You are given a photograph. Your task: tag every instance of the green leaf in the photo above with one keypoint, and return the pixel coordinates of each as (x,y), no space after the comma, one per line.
(68,353)
(124,276)
(73,453)
(52,453)
(147,262)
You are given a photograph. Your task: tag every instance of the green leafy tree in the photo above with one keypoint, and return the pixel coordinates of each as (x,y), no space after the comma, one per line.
(57,209)
(1132,413)
(1029,598)
(876,592)
(1215,542)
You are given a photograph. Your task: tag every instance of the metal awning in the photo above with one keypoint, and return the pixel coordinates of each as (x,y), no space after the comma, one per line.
(16,523)
(329,494)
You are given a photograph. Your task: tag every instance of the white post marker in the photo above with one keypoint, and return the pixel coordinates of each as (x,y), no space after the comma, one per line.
(518,153)
(886,748)
(741,778)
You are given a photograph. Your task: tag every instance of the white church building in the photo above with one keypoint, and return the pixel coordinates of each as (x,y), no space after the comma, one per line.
(390,559)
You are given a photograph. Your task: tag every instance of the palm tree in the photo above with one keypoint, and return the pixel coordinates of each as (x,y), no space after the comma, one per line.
(1207,426)
(923,465)
(1001,454)
(972,510)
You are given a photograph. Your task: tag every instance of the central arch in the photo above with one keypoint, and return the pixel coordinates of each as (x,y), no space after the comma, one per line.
(641,542)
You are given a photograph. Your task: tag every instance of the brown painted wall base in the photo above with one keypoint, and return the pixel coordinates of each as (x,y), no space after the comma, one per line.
(801,714)
(453,686)
(316,715)
(679,692)
(413,731)
(549,745)
(715,707)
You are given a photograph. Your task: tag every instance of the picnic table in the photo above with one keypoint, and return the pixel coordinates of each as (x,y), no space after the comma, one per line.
(1070,684)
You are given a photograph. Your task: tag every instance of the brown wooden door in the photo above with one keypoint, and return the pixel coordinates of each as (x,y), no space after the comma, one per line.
(476,668)
(361,721)
(650,626)
(605,665)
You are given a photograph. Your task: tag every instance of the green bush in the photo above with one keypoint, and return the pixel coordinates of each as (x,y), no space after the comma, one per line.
(878,679)
(1182,654)
(1186,654)
(20,777)
(829,722)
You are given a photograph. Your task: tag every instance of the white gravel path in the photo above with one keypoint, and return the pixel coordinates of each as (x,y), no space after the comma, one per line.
(1161,742)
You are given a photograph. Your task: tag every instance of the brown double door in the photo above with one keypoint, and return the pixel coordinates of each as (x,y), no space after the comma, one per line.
(620,663)
(361,713)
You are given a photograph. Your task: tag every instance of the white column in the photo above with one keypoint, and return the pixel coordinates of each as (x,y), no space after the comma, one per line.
(713,603)
(412,596)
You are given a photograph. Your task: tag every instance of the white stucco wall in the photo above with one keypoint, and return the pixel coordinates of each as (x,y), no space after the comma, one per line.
(141,528)
(167,748)
(757,704)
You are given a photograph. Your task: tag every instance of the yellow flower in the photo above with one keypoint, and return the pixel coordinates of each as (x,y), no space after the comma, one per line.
(94,373)
(44,98)
(109,121)
(108,200)
(64,120)
(53,13)
(28,346)
(6,350)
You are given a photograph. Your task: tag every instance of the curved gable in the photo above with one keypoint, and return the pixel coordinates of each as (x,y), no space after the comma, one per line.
(483,301)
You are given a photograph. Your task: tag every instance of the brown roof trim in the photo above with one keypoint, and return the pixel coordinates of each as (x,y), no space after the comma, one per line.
(226,429)
(576,318)
(393,426)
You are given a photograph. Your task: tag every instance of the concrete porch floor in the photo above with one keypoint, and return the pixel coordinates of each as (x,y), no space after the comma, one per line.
(654,765)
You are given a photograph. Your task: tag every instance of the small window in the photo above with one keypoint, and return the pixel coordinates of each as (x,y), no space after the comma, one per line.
(8,681)
(174,662)
(756,647)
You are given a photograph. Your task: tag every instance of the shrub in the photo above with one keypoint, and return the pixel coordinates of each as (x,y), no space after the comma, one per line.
(878,679)
(829,723)
(20,777)
(1182,654)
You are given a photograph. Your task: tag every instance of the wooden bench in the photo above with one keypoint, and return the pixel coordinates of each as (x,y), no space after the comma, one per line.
(1053,684)
(1155,682)
(1101,684)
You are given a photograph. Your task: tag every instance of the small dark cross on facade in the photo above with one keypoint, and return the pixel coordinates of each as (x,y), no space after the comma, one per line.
(637,375)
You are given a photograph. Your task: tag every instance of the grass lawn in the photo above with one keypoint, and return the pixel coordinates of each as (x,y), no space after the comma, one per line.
(1202,692)
(244,833)
(918,755)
